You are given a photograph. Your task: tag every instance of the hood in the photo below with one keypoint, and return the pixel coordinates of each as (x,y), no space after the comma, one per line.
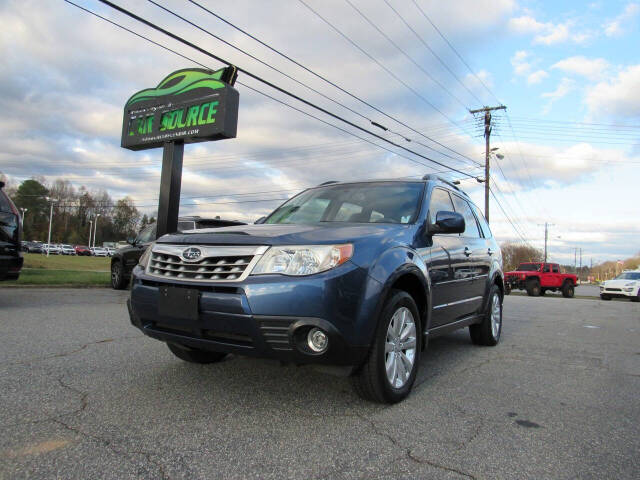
(619,283)
(282,234)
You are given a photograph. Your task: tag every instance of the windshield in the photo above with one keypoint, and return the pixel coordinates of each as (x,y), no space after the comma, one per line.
(628,276)
(529,267)
(391,202)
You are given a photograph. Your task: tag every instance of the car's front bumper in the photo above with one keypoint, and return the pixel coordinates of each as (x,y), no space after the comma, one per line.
(265,316)
(620,292)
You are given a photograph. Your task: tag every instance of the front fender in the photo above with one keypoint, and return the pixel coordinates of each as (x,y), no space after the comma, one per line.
(395,264)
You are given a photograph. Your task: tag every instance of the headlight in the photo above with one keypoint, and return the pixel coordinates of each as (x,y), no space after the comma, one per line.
(144,259)
(302,259)
(630,284)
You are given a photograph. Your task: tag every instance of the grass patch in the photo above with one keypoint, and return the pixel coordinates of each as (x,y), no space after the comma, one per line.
(61,277)
(66,262)
(63,270)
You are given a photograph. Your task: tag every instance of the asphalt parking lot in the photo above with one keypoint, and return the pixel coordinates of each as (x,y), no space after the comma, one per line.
(84,395)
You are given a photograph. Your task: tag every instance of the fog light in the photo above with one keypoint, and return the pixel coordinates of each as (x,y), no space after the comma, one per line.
(317,340)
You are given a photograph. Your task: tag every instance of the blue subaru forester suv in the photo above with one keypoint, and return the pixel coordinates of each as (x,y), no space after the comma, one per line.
(357,274)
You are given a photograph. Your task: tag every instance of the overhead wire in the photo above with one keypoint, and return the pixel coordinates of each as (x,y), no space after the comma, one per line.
(277,88)
(337,86)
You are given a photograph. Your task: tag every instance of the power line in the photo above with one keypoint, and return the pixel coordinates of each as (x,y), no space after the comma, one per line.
(381,65)
(333,84)
(275,87)
(424,42)
(403,52)
(455,51)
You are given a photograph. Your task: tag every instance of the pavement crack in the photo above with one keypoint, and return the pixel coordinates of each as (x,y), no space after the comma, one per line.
(72,352)
(118,451)
(422,461)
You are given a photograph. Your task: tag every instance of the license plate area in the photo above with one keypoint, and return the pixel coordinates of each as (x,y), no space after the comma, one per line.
(180,303)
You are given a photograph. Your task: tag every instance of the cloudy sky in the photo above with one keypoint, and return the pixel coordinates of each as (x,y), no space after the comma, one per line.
(567,71)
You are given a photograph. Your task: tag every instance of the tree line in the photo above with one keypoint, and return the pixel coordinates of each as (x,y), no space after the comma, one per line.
(73,211)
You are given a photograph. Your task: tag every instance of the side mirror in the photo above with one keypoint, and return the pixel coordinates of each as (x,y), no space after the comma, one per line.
(260,220)
(447,222)
(131,241)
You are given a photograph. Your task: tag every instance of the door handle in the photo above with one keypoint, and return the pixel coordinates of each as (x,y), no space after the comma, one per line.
(467,252)
(490,252)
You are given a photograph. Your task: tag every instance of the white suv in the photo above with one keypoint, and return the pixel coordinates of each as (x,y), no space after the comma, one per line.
(625,285)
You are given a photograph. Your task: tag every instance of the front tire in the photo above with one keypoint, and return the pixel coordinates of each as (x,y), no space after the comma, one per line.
(489,330)
(604,297)
(568,290)
(193,355)
(533,288)
(118,281)
(389,371)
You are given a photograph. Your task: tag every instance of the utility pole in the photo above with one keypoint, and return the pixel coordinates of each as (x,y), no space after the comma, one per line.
(546,237)
(580,264)
(575,259)
(487,153)
(90,229)
(95,230)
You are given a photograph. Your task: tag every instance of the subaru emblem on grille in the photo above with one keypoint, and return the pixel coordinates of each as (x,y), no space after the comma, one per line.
(191,254)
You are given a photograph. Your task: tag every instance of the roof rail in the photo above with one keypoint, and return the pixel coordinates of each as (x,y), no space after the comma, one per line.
(329,182)
(431,176)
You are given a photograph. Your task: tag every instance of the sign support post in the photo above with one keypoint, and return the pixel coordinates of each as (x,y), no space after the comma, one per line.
(170,184)
(188,106)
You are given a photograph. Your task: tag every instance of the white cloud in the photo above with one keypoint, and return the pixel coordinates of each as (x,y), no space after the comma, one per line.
(537,77)
(547,33)
(619,25)
(591,68)
(618,96)
(563,88)
(522,67)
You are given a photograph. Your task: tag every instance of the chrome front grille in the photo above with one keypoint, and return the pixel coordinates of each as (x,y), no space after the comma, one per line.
(214,264)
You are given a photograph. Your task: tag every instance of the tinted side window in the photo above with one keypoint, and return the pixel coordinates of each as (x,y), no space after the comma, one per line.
(483,222)
(440,201)
(556,269)
(4,203)
(463,208)
(547,268)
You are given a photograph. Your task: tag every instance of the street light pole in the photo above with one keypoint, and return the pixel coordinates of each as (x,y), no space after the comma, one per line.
(23,212)
(52,201)
(95,230)
(90,229)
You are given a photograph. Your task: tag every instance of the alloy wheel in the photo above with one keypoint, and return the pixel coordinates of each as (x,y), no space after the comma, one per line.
(400,347)
(496,316)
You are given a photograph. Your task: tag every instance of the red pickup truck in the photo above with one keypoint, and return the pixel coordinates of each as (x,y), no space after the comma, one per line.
(537,278)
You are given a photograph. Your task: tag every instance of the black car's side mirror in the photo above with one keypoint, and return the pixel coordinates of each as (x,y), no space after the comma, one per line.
(447,222)
(131,241)
(260,220)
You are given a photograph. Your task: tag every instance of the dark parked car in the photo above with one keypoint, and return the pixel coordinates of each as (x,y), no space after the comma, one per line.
(10,238)
(125,258)
(353,274)
(32,247)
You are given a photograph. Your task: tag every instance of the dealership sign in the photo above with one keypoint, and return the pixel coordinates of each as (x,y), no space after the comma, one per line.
(189,105)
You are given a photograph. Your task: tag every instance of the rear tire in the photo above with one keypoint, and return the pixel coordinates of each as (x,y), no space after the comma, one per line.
(118,281)
(488,331)
(604,297)
(389,371)
(193,355)
(543,291)
(507,289)
(568,290)
(533,288)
